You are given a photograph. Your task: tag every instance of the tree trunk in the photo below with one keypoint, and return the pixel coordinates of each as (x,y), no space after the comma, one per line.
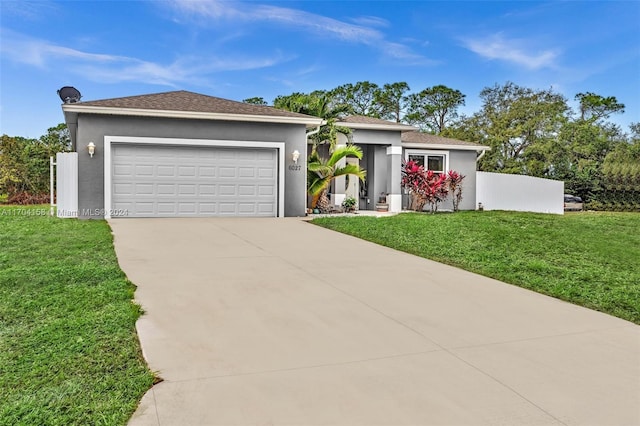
(323,202)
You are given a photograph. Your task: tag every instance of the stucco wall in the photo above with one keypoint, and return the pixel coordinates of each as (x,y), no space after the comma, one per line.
(376,137)
(93,128)
(464,162)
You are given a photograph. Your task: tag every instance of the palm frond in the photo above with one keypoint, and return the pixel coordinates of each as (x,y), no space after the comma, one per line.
(316,186)
(344,151)
(350,169)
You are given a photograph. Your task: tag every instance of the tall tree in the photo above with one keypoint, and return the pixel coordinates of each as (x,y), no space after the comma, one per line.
(24,163)
(515,119)
(295,102)
(393,100)
(595,107)
(360,97)
(586,144)
(434,108)
(256,100)
(57,139)
(317,104)
(634,128)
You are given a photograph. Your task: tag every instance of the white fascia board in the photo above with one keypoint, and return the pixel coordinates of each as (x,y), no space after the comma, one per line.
(369,126)
(452,147)
(87,109)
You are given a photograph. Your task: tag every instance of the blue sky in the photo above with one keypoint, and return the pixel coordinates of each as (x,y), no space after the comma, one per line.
(241,49)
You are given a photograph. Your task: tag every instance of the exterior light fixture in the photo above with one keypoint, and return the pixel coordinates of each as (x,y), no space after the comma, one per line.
(295,155)
(91,148)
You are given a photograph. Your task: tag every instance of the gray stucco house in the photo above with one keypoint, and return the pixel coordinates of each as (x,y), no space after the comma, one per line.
(180,153)
(186,154)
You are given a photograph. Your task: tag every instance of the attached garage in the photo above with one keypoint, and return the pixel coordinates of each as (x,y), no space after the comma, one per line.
(150,180)
(183,154)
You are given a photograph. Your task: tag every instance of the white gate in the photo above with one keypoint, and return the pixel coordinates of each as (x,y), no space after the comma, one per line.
(66,184)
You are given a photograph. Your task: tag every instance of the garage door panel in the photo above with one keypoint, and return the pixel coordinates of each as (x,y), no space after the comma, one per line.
(144,208)
(226,155)
(246,172)
(266,173)
(123,189)
(144,170)
(144,189)
(247,156)
(186,189)
(266,208)
(266,191)
(247,190)
(166,189)
(206,189)
(123,170)
(160,180)
(207,209)
(228,172)
(165,171)
(206,172)
(227,208)
(186,171)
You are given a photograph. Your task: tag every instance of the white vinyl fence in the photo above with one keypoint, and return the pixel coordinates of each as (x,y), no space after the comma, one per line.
(67,184)
(497,191)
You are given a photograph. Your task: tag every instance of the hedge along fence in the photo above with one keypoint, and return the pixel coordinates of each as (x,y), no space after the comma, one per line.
(619,189)
(24,165)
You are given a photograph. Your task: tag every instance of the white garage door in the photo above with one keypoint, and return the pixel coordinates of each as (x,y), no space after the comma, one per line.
(176,181)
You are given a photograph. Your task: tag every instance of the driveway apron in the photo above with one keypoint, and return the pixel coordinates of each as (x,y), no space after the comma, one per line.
(281,322)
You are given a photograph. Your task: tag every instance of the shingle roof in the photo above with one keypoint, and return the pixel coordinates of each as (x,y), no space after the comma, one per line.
(426,138)
(374,122)
(183,100)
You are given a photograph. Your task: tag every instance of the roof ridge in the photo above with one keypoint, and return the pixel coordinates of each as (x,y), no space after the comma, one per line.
(424,137)
(187,101)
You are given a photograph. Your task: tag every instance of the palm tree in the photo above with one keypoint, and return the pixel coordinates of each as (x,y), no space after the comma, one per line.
(318,104)
(321,171)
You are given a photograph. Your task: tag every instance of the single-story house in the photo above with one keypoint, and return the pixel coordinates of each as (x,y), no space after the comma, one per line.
(186,154)
(183,154)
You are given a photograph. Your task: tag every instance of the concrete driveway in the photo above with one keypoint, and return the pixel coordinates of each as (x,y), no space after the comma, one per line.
(278,321)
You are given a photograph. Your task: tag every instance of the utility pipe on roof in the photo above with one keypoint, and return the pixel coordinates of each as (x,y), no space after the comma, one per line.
(484,151)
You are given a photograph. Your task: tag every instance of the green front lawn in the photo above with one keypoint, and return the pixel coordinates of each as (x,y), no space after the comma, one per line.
(590,259)
(69,353)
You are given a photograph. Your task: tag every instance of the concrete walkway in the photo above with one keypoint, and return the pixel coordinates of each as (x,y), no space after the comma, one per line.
(278,321)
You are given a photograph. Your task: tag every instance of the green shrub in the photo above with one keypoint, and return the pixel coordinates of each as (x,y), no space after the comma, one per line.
(24,164)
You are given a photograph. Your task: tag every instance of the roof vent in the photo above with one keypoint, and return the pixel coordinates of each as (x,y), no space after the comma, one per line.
(69,95)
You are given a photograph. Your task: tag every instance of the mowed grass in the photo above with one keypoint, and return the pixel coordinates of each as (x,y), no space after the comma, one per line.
(69,353)
(590,259)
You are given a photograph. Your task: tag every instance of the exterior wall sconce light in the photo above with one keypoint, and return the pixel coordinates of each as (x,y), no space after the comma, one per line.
(91,148)
(295,155)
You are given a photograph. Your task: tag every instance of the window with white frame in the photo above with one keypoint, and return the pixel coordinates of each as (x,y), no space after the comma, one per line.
(436,161)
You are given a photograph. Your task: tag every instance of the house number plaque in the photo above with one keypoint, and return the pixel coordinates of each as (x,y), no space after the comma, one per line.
(295,167)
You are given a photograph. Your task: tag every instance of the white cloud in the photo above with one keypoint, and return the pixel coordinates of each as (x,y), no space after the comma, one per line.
(102,67)
(516,51)
(36,52)
(372,21)
(29,10)
(361,32)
